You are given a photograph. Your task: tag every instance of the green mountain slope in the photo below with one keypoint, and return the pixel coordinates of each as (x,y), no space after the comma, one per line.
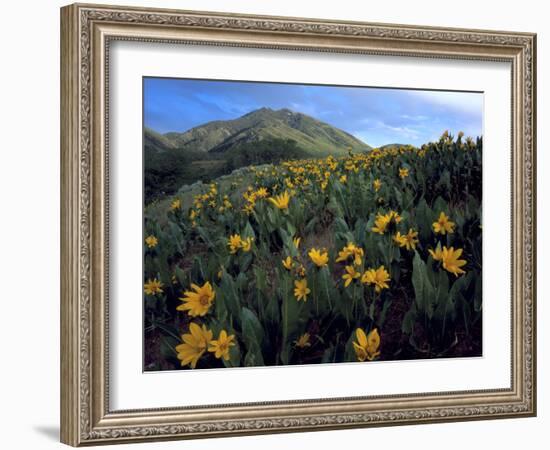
(311,135)
(216,148)
(156,141)
(395,145)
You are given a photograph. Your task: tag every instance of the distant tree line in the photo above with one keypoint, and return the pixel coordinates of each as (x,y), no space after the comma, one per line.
(166,171)
(263,152)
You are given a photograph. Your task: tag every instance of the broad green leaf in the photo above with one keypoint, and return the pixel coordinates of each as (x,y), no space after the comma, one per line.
(407,326)
(230,296)
(248,231)
(253,332)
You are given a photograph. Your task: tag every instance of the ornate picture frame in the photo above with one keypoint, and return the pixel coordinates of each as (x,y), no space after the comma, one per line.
(87,31)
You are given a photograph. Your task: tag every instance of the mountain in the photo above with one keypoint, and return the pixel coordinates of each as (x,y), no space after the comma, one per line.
(390,146)
(311,135)
(154,140)
(217,148)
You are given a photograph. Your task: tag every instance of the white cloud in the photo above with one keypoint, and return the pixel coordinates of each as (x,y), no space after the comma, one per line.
(408,132)
(416,118)
(466,102)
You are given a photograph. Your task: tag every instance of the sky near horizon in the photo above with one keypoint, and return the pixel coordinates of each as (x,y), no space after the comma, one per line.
(377,116)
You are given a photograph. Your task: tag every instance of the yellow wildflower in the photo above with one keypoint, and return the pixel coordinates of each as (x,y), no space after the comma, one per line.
(301,290)
(451,263)
(249,208)
(351,250)
(288,263)
(220,347)
(195,343)
(443,224)
(176,204)
(197,303)
(151,241)
(235,243)
(381,223)
(377,277)
(303,341)
(319,257)
(408,240)
(403,173)
(437,254)
(377,184)
(280,201)
(246,244)
(296,242)
(350,275)
(262,193)
(366,347)
(394,216)
(153,287)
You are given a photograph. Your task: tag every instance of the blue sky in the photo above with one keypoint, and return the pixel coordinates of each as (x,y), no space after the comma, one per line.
(377,116)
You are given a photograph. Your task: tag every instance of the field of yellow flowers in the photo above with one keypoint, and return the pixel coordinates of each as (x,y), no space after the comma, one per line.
(373,256)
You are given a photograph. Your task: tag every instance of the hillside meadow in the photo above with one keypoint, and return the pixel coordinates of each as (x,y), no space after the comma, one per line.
(219,147)
(367,256)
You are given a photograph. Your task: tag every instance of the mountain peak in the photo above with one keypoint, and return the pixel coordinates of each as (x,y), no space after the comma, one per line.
(310,134)
(286,111)
(264,109)
(282,112)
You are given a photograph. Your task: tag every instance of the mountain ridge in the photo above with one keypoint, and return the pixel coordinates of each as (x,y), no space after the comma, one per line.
(219,136)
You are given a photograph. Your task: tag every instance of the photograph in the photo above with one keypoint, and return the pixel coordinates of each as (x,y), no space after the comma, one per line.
(277,224)
(290,224)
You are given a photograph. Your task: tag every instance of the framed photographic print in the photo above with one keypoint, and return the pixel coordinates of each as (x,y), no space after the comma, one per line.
(275,224)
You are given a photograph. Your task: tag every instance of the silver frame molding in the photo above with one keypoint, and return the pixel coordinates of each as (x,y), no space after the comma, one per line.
(86,33)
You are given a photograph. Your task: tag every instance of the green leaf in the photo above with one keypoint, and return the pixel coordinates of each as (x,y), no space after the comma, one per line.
(180,275)
(234,357)
(244,262)
(478,294)
(253,358)
(248,231)
(407,326)
(253,335)
(323,289)
(272,313)
(440,205)
(197,270)
(310,226)
(229,294)
(168,330)
(349,352)
(360,231)
(328,355)
(205,237)
(168,348)
(398,197)
(424,292)
(340,225)
(253,331)
(424,221)
(384,312)
(291,229)
(290,317)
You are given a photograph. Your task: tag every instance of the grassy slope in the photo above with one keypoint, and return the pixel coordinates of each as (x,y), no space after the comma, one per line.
(309,133)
